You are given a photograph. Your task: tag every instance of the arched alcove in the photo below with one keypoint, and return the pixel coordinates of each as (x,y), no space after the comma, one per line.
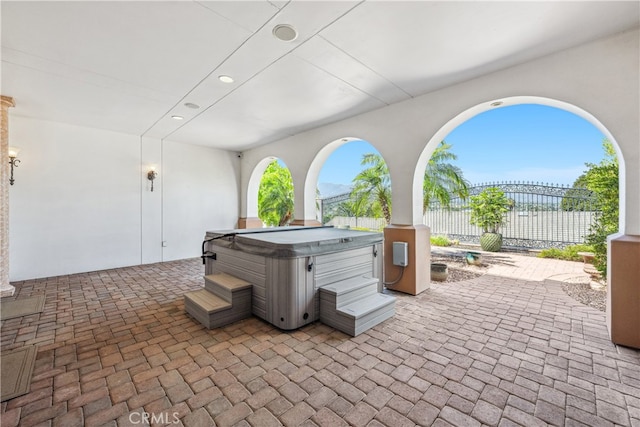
(336,180)
(311,179)
(622,313)
(276,195)
(252,219)
(504,102)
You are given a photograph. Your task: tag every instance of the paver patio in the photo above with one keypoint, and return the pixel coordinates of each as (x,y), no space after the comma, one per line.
(496,350)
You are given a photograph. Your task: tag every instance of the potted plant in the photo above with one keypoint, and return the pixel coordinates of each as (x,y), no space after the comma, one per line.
(488,211)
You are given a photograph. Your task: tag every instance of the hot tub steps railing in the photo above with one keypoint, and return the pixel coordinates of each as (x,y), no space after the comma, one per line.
(355,305)
(225,299)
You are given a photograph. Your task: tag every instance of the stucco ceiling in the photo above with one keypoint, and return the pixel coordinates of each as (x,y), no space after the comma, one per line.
(130,66)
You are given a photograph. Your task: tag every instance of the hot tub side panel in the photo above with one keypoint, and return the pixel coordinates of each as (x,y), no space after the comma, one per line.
(290,292)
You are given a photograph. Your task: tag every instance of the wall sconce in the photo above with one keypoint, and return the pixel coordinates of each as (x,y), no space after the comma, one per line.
(151,175)
(13,161)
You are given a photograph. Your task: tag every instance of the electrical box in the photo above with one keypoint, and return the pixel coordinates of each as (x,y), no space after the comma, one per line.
(400,254)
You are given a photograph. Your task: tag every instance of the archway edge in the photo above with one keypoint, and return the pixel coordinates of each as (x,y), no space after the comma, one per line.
(254,185)
(501,103)
(318,161)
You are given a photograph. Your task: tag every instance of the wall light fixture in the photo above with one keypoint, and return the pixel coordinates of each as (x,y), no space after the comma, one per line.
(13,161)
(151,175)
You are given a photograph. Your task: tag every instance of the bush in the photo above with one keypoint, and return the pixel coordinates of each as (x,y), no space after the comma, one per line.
(602,179)
(570,253)
(440,241)
(488,209)
(554,253)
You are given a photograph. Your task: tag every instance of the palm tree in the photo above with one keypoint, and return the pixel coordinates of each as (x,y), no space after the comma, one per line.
(441,180)
(275,195)
(375,182)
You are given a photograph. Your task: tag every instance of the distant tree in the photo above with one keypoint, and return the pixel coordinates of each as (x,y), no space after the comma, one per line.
(575,199)
(275,196)
(442,179)
(603,180)
(375,181)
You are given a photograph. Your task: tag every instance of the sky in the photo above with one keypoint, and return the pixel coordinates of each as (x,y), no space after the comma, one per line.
(534,143)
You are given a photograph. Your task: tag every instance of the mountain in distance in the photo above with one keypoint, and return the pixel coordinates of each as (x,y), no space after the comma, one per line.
(329,189)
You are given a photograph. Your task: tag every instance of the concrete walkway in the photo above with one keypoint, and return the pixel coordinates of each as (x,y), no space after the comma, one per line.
(496,350)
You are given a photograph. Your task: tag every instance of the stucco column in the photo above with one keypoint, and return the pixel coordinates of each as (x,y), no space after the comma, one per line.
(5,288)
(416,276)
(623,297)
(252,222)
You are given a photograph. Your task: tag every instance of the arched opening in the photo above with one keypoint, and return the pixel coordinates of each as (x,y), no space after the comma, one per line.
(538,157)
(622,315)
(354,186)
(275,195)
(253,220)
(445,130)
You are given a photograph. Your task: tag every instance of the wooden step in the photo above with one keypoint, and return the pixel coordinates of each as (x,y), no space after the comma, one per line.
(228,287)
(208,302)
(213,311)
(228,281)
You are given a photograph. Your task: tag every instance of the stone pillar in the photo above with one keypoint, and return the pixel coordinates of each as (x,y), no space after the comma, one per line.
(623,296)
(416,276)
(5,288)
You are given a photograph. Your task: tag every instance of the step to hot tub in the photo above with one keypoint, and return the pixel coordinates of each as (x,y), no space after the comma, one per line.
(350,290)
(354,305)
(224,300)
(227,287)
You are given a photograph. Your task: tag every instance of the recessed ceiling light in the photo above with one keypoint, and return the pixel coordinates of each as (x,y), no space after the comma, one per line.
(177,117)
(225,79)
(285,32)
(191,105)
(496,104)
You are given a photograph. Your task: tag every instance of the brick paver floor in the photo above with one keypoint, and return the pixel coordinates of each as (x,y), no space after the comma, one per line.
(116,348)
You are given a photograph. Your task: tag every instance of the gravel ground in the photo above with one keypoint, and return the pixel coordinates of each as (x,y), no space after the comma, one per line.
(458,269)
(578,288)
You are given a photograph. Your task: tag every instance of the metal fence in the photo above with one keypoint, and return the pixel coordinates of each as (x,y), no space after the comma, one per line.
(541,216)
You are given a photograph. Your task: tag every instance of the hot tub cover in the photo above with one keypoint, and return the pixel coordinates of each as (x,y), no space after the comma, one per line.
(293,242)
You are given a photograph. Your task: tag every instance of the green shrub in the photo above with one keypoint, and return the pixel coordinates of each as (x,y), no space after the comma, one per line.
(440,241)
(551,253)
(570,253)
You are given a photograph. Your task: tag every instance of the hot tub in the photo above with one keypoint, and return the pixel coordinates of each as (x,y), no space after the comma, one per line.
(288,265)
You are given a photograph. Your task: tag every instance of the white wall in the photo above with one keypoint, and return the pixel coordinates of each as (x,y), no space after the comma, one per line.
(200,192)
(81,201)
